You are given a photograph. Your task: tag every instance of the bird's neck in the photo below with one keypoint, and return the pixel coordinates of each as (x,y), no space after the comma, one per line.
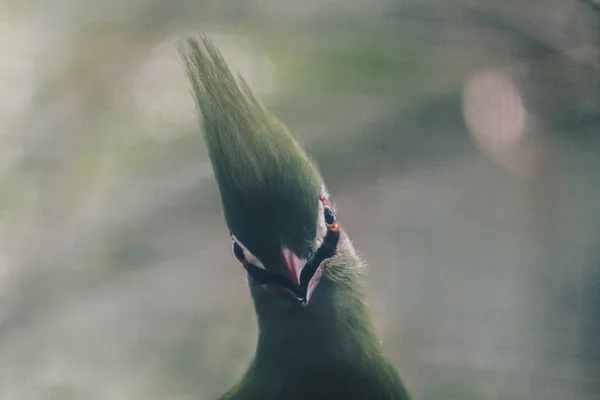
(333,325)
(325,350)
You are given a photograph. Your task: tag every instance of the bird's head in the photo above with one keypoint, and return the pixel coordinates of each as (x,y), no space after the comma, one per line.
(278,213)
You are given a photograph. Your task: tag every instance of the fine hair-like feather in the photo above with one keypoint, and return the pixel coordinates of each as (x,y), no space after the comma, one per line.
(270,192)
(263,174)
(234,118)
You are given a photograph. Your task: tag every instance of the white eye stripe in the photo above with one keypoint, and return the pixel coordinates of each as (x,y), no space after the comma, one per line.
(250,258)
(321,226)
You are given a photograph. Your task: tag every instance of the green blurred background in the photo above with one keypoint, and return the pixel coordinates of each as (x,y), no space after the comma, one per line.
(460,140)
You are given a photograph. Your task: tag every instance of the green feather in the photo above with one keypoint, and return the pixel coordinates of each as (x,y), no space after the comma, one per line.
(267,183)
(269,191)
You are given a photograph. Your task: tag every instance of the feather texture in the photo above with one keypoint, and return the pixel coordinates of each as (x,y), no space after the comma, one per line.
(270,193)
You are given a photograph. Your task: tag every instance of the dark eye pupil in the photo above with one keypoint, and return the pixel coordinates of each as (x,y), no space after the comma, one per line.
(329,216)
(237,252)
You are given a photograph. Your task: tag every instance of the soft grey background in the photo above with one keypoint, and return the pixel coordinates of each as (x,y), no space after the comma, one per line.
(460,141)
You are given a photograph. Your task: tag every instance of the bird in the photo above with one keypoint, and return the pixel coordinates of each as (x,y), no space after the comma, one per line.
(316,339)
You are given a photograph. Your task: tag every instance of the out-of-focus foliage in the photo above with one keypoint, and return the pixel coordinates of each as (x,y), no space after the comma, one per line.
(459,139)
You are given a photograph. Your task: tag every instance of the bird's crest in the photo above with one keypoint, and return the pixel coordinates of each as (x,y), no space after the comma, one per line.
(266,180)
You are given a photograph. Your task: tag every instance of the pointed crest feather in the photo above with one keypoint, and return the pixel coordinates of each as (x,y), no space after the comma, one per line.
(232,116)
(260,169)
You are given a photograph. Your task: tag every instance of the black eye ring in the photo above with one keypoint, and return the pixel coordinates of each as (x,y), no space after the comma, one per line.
(237,251)
(329,215)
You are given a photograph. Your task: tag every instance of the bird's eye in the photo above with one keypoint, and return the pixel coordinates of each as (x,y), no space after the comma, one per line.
(329,215)
(330,220)
(238,253)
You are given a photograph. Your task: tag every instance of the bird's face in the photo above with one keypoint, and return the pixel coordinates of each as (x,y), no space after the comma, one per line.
(287,256)
(274,201)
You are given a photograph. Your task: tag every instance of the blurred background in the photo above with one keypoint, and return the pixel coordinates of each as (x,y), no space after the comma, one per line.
(460,141)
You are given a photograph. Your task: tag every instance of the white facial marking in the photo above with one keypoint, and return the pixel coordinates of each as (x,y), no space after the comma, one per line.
(247,255)
(321,227)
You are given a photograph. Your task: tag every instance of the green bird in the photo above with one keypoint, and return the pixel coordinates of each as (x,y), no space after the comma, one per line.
(316,338)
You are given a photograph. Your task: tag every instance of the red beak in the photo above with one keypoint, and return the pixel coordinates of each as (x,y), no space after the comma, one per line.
(293,264)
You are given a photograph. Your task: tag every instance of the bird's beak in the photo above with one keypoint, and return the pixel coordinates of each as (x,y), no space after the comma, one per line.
(293,266)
